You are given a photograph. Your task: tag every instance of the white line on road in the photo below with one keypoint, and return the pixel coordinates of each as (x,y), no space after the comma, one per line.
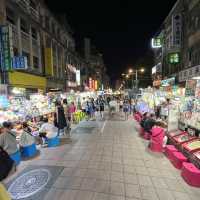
(104,124)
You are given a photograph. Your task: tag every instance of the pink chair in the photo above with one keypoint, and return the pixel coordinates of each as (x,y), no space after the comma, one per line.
(191,174)
(178,159)
(156,143)
(169,149)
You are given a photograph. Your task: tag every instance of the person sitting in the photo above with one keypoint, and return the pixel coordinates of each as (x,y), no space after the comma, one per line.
(8,139)
(47,130)
(144,117)
(149,123)
(26,138)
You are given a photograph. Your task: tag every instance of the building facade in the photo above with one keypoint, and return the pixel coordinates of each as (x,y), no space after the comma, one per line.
(45,40)
(179,51)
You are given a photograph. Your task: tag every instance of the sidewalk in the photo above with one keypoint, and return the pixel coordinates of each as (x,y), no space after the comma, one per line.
(109,162)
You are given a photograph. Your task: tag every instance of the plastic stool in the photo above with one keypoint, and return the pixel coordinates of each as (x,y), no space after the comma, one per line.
(16,157)
(53,142)
(169,149)
(178,159)
(156,147)
(29,151)
(191,174)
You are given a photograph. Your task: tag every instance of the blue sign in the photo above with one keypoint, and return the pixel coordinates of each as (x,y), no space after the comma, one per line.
(4,102)
(19,62)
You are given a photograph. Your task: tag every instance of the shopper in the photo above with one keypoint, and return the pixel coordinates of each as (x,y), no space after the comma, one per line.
(72,110)
(26,138)
(47,131)
(8,138)
(83,105)
(67,115)
(92,109)
(126,109)
(59,117)
(101,104)
(149,123)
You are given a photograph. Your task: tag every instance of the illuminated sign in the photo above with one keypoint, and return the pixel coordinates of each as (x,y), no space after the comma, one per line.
(78,77)
(90,83)
(168,82)
(174,58)
(96,85)
(154,70)
(19,62)
(156,42)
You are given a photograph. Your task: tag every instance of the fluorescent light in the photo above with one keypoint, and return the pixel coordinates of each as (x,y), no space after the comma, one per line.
(196,78)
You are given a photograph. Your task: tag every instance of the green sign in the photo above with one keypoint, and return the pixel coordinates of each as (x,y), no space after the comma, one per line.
(174,58)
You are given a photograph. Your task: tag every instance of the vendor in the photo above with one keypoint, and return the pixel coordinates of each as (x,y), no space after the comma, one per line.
(47,130)
(144,117)
(26,139)
(8,138)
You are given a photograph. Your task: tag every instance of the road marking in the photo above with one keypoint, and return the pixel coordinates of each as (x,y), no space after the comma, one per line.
(104,124)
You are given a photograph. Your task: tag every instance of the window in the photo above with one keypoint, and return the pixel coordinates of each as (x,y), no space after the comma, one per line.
(47,26)
(15,51)
(10,16)
(35,62)
(24,26)
(34,33)
(28,57)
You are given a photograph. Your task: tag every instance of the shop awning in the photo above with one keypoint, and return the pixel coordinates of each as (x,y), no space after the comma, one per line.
(25,80)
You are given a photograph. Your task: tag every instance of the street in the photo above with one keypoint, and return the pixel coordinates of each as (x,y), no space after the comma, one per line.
(106,160)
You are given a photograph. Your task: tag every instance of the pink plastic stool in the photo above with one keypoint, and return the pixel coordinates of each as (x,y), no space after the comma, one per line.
(178,159)
(156,147)
(169,149)
(147,136)
(191,174)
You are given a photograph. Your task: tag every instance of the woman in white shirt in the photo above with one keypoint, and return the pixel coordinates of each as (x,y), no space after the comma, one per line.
(47,130)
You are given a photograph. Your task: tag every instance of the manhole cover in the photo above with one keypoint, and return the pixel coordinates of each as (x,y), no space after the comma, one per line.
(29,183)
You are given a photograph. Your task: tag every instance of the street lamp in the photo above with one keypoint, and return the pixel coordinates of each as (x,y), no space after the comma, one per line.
(130,71)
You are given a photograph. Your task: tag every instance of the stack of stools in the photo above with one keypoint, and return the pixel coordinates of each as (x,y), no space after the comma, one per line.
(178,159)
(29,151)
(16,157)
(169,150)
(141,131)
(53,142)
(191,174)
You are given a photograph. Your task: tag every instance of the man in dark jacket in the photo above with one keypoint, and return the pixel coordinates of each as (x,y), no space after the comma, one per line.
(149,123)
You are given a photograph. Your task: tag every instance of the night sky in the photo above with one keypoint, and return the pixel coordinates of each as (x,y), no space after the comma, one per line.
(121,30)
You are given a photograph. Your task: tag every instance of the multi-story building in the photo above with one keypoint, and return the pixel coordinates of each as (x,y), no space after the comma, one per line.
(96,67)
(179,52)
(44,39)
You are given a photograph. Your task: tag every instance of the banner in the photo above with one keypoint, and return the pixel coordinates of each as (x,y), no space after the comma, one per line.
(6,48)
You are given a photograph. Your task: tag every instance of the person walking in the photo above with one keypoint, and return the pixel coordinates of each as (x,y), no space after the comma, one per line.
(126,109)
(101,104)
(59,117)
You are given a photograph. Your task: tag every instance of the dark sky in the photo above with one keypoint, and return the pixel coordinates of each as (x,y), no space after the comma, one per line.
(120,29)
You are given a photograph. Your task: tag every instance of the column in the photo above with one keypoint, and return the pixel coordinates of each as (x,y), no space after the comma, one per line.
(19,36)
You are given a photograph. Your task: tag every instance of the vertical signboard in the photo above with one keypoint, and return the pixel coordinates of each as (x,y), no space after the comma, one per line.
(176,29)
(78,77)
(48,61)
(90,83)
(6,48)
(95,85)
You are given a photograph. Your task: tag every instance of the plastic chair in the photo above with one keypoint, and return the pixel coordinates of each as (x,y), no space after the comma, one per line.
(191,174)
(169,149)
(16,157)
(156,143)
(53,142)
(29,151)
(178,159)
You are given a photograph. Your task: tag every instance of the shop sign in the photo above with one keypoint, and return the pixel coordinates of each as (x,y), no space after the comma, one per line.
(19,62)
(168,82)
(90,83)
(154,70)
(72,84)
(48,61)
(6,48)
(93,84)
(96,85)
(78,77)
(189,73)
(174,58)
(176,29)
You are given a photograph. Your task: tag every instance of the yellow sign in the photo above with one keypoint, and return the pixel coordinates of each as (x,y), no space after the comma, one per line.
(25,80)
(48,61)
(95,85)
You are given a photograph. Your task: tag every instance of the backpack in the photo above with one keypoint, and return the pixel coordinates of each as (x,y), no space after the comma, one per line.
(6,164)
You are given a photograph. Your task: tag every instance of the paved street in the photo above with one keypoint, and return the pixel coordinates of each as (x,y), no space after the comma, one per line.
(108,161)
